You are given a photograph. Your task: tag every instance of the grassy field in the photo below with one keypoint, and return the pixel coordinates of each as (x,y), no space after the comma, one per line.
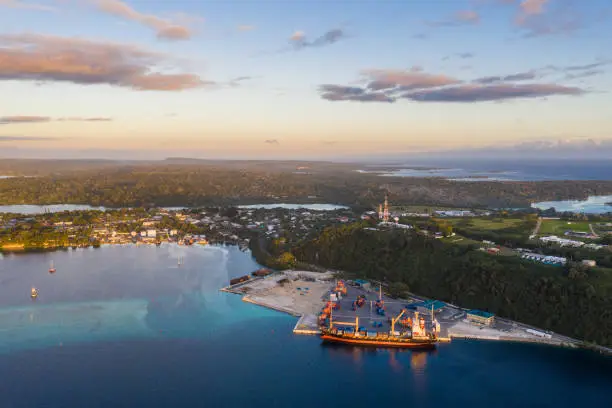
(489,224)
(558,227)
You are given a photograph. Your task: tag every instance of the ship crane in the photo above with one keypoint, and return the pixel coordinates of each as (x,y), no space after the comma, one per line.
(331,322)
(395,320)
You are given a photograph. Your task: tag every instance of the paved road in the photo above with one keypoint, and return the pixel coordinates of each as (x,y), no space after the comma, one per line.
(593,231)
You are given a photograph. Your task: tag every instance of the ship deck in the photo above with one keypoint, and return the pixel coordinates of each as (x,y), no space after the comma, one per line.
(368,317)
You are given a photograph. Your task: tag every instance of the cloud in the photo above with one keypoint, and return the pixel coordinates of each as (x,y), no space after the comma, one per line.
(543,17)
(530,8)
(165,29)
(486,93)
(26,138)
(418,86)
(9,120)
(584,67)
(272,141)
(460,55)
(460,18)
(521,76)
(6,120)
(20,4)
(246,27)
(31,57)
(580,71)
(79,119)
(299,41)
(352,93)
(237,81)
(415,78)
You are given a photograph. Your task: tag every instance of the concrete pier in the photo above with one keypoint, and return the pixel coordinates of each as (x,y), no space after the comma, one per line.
(307,325)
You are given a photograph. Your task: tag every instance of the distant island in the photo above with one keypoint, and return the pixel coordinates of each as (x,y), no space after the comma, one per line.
(193,183)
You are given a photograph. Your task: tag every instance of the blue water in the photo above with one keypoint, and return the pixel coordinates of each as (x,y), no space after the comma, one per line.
(40,209)
(592,205)
(504,169)
(126,327)
(314,207)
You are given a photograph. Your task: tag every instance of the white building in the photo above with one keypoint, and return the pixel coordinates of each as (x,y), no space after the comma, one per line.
(151,233)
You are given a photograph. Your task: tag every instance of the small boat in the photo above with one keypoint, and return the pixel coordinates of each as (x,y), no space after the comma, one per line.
(52,268)
(34,293)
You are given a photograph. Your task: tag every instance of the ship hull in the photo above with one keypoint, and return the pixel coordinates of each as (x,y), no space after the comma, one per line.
(407,344)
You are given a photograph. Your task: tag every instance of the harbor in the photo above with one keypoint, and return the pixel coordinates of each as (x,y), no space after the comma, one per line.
(309,296)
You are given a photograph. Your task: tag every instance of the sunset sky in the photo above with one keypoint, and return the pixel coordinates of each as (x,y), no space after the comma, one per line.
(300,79)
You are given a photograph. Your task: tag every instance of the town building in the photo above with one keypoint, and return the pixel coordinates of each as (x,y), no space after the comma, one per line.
(480,317)
(364,284)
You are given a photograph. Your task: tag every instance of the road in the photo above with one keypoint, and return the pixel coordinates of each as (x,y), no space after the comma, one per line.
(537,227)
(593,231)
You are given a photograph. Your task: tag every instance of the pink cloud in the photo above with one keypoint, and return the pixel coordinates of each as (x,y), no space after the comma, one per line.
(164,28)
(30,57)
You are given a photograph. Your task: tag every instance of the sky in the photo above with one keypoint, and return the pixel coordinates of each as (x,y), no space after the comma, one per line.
(291,79)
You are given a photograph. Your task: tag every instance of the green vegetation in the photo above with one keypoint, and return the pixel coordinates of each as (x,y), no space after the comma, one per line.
(510,231)
(573,301)
(558,227)
(490,223)
(183,182)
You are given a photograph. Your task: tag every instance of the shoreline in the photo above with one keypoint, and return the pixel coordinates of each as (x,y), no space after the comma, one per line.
(20,249)
(265,292)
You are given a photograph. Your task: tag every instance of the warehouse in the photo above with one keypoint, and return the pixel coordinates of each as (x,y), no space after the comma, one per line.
(479,316)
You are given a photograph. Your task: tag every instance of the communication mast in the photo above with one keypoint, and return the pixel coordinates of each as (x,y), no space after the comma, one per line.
(386,210)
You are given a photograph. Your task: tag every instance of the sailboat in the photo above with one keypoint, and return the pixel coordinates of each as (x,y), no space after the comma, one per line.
(51,268)
(180,260)
(34,293)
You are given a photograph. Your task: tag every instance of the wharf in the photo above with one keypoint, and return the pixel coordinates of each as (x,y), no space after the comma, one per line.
(307,324)
(298,293)
(303,294)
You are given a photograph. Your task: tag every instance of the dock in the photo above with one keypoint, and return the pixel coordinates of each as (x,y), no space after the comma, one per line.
(298,293)
(307,325)
(303,294)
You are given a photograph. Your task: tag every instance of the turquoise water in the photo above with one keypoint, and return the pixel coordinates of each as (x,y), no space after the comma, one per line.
(40,209)
(126,327)
(314,207)
(592,205)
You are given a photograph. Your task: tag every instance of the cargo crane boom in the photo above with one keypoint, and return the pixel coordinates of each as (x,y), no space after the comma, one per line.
(395,320)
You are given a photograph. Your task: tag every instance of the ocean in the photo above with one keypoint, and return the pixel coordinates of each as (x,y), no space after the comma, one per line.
(483,169)
(127,327)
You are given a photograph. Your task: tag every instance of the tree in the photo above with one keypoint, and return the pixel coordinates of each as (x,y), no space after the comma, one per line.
(286,261)
(398,289)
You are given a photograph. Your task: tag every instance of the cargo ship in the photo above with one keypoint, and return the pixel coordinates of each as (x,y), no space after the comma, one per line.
(351,334)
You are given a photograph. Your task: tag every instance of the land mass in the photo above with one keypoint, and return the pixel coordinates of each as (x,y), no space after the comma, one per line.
(568,300)
(191,182)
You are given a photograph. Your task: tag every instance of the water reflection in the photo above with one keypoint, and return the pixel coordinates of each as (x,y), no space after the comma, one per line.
(119,293)
(397,358)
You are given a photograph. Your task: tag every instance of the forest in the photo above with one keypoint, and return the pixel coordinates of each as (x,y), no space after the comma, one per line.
(200,183)
(573,301)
